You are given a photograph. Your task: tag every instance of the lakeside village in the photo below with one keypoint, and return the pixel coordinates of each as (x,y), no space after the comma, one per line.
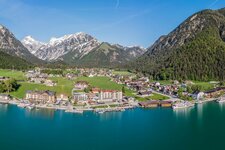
(135,91)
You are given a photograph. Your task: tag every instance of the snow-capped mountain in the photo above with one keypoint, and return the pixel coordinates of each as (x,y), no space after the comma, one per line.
(31,44)
(79,43)
(73,47)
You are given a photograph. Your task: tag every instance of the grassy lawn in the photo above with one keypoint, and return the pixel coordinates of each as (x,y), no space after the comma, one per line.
(101,82)
(122,73)
(163,82)
(64,86)
(18,75)
(101,106)
(154,96)
(206,85)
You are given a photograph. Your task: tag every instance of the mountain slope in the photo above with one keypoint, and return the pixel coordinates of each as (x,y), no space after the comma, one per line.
(83,49)
(194,50)
(10,45)
(12,62)
(107,55)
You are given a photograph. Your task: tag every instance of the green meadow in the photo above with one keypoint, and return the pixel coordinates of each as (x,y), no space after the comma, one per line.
(59,89)
(101,82)
(153,96)
(124,73)
(65,86)
(18,75)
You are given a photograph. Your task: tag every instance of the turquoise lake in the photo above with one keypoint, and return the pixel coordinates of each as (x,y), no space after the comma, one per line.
(199,128)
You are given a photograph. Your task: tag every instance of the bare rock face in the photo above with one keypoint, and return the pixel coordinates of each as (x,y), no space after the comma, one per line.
(188,30)
(10,45)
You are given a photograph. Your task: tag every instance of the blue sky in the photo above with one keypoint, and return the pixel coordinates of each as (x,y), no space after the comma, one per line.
(126,22)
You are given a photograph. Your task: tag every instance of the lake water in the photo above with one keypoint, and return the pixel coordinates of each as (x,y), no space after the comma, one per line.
(198,128)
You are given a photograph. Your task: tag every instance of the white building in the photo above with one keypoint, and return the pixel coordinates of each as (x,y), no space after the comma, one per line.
(79,96)
(198,95)
(110,95)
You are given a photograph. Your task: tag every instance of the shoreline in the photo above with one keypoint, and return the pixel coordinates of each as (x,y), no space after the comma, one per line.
(74,109)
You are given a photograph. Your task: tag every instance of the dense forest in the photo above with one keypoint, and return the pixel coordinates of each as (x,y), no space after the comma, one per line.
(199,58)
(12,62)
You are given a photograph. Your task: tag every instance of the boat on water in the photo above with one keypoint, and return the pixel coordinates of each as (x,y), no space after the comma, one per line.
(101,112)
(30,107)
(74,111)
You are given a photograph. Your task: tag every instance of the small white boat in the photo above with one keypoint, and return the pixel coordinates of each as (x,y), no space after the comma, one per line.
(30,107)
(101,112)
(74,111)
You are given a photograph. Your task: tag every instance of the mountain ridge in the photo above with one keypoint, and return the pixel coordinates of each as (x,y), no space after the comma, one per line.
(72,48)
(200,36)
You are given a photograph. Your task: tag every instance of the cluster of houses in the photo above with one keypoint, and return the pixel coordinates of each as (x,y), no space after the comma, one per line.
(144,88)
(87,72)
(95,94)
(215,93)
(170,90)
(91,72)
(36,76)
(82,92)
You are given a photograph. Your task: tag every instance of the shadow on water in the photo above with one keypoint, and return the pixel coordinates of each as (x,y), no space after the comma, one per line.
(42,113)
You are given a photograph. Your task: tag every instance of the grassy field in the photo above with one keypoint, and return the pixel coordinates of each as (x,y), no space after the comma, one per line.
(101,82)
(64,86)
(122,73)
(206,85)
(163,82)
(18,75)
(154,96)
(59,89)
